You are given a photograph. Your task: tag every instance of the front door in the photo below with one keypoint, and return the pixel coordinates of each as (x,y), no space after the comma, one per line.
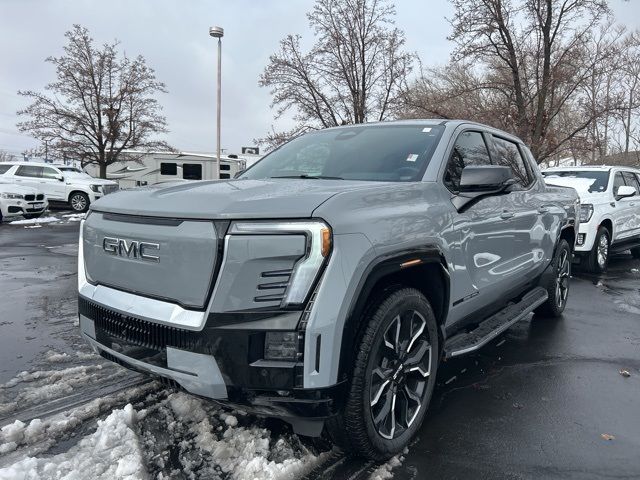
(624,211)
(51,184)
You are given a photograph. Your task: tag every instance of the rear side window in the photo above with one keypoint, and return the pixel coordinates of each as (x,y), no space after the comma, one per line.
(631,180)
(4,168)
(508,155)
(168,169)
(192,171)
(29,171)
(469,149)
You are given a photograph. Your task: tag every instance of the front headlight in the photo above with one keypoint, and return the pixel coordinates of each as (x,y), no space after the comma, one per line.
(14,196)
(96,188)
(306,270)
(586,211)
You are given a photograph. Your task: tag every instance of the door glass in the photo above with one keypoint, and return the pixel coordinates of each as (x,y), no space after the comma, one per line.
(29,171)
(469,149)
(618,181)
(4,168)
(509,156)
(631,180)
(192,171)
(49,173)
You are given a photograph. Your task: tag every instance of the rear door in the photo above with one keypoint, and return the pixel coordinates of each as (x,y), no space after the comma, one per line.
(28,175)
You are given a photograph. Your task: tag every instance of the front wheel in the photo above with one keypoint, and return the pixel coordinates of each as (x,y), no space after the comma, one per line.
(558,284)
(598,258)
(79,202)
(392,379)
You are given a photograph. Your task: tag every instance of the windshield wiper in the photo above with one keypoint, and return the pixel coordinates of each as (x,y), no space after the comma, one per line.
(312,177)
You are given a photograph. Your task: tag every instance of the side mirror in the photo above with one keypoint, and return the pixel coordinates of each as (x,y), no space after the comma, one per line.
(625,191)
(480,181)
(60,178)
(487,179)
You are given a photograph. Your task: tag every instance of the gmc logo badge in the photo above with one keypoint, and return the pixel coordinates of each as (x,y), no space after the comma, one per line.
(131,248)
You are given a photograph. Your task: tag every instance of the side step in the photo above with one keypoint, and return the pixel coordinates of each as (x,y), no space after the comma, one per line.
(493,326)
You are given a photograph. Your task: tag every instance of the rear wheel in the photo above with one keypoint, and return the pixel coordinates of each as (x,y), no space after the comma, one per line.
(392,379)
(558,284)
(79,202)
(598,258)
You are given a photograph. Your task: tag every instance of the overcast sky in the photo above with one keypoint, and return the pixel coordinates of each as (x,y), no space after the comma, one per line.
(173,36)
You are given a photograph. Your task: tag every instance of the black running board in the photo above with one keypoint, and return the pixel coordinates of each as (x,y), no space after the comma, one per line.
(493,326)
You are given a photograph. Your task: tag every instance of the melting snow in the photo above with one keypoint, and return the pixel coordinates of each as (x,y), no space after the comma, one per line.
(32,221)
(384,472)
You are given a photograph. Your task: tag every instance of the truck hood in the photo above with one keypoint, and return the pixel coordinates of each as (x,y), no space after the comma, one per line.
(269,198)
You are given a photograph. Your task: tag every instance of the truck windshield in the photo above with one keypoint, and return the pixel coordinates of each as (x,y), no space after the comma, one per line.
(392,153)
(593,180)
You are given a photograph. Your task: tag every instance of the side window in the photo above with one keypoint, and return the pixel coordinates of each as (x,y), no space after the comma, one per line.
(508,155)
(29,171)
(168,169)
(469,149)
(4,168)
(631,179)
(225,166)
(618,181)
(192,171)
(48,172)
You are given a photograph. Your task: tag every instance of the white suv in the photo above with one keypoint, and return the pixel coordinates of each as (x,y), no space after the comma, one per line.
(610,210)
(17,201)
(60,183)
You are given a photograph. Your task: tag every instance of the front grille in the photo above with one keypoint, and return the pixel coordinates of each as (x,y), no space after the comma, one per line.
(29,198)
(40,196)
(136,331)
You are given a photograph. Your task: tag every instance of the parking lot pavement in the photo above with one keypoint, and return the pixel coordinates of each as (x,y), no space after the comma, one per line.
(533,404)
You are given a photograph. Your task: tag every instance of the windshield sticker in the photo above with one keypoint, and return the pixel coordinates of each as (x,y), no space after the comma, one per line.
(426,129)
(412,157)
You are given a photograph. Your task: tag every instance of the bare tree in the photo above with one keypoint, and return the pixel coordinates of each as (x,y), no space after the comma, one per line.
(6,156)
(100,104)
(353,73)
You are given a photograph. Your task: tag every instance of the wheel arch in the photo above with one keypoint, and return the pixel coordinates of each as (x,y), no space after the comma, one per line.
(608,224)
(424,269)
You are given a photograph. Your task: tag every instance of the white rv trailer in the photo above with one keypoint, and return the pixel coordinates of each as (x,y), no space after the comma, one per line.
(148,168)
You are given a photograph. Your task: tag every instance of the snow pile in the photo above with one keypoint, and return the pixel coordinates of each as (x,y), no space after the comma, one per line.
(112,451)
(74,217)
(32,221)
(384,471)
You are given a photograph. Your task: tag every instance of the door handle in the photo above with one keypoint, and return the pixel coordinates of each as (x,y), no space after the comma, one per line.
(632,204)
(506,215)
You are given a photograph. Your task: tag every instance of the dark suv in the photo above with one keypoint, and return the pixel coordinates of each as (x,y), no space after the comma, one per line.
(326,283)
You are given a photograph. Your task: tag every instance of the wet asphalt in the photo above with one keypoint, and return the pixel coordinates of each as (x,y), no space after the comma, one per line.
(533,404)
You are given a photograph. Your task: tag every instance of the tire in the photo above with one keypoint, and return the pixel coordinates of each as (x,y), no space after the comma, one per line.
(30,216)
(598,257)
(635,252)
(395,369)
(79,202)
(557,285)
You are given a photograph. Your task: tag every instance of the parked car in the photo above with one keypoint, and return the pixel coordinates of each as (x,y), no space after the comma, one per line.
(609,211)
(61,184)
(18,201)
(326,284)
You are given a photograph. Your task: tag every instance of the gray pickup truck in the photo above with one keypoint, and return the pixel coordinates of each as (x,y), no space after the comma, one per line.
(326,283)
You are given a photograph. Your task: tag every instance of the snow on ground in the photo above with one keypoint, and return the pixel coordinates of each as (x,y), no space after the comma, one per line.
(58,217)
(384,471)
(175,436)
(32,221)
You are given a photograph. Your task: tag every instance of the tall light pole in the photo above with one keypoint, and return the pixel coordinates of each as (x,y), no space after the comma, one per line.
(218,32)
